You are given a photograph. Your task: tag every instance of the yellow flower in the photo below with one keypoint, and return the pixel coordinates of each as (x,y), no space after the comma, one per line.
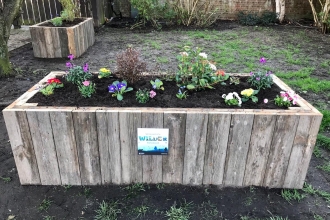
(104,70)
(247,92)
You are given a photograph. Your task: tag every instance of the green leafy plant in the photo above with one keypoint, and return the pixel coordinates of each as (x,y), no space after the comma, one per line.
(234,80)
(70,10)
(261,80)
(52,84)
(104,73)
(87,89)
(5,179)
(232,98)
(142,96)
(77,74)
(57,21)
(196,72)
(140,211)
(157,84)
(249,94)
(179,213)
(181,93)
(108,211)
(118,89)
(44,205)
(134,189)
(251,18)
(292,194)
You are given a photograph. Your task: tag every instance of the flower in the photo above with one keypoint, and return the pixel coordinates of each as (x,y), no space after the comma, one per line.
(258,78)
(212,66)
(285,99)
(223,96)
(262,60)
(86,83)
(220,72)
(120,85)
(265,101)
(229,96)
(204,55)
(247,92)
(86,67)
(184,54)
(104,70)
(112,88)
(251,73)
(71,56)
(54,80)
(69,64)
(152,93)
(239,99)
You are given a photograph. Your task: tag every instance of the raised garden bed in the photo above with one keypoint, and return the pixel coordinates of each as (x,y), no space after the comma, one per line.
(98,145)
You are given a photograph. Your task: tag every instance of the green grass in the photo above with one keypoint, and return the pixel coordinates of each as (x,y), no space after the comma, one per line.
(208,210)
(292,194)
(300,74)
(317,217)
(325,64)
(308,188)
(44,205)
(134,189)
(140,211)
(108,211)
(48,217)
(323,141)
(317,152)
(182,212)
(5,179)
(325,167)
(162,59)
(325,124)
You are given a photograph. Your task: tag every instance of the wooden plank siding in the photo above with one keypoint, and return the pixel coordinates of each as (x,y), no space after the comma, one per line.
(98,145)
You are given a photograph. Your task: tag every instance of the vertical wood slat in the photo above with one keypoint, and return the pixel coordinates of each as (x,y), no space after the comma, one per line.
(260,142)
(173,162)
(109,147)
(152,164)
(22,146)
(131,162)
(67,155)
(44,146)
(283,137)
(238,146)
(195,140)
(29,8)
(216,148)
(49,42)
(87,146)
(302,150)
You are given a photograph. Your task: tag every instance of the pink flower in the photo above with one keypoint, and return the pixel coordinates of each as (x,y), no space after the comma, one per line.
(71,56)
(251,73)
(152,93)
(86,83)
(265,101)
(262,60)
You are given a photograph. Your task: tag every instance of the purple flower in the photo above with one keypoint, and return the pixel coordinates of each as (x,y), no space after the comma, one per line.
(120,85)
(154,86)
(112,88)
(251,73)
(69,64)
(86,67)
(258,78)
(152,93)
(262,60)
(71,56)
(86,83)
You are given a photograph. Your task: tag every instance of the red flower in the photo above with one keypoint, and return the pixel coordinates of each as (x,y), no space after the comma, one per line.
(220,72)
(54,80)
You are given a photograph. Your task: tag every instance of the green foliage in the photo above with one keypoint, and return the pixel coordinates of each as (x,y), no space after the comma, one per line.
(251,18)
(104,73)
(280,101)
(134,189)
(308,188)
(87,89)
(325,167)
(292,194)
(108,211)
(181,93)
(323,141)
(157,84)
(232,98)
(118,89)
(44,205)
(47,91)
(249,94)
(140,211)
(5,179)
(179,213)
(69,9)
(77,75)
(261,80)
(317,152)
(57,21)
(208,210)
(142,96)
(325,124)
(53,84)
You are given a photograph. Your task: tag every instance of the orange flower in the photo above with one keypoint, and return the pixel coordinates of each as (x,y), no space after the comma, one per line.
(220,72)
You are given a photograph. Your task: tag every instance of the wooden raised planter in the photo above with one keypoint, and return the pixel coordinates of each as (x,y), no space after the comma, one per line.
(98,145)
(56,42)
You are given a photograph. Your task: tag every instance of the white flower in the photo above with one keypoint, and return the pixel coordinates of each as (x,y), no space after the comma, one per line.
(212,66)
(265,101)
(239,99)
(229,96)
(285,99)
(223,96)
(204,55)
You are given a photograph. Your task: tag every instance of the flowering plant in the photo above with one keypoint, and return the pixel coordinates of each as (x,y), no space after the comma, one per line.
(53,83)
(180,94)
(196,72)
(157,84)
(104,73)
(142,96)
(77,74)
(87,88)
(286,99)
(118,89)
(249,94)
(261,80)
(232,99)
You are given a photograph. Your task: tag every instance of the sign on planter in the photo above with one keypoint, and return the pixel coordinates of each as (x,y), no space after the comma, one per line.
(152,141)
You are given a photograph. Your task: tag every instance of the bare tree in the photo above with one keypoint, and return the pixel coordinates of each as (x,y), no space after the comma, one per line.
(321,18)
(280,10)
(8,11)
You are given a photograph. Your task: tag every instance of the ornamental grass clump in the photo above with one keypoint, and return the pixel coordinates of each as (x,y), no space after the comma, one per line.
(129,65)
(196,72)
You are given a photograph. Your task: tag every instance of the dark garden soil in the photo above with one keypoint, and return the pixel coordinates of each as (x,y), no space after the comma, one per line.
(65,23)
(69,95)
(159,49)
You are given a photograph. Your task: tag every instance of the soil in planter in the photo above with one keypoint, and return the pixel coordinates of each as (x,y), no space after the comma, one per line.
(69,95)
(64,23)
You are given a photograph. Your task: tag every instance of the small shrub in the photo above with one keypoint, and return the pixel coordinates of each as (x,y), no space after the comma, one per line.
(252,18)
(57,21)
(142,96)
(129,65)
(267,18)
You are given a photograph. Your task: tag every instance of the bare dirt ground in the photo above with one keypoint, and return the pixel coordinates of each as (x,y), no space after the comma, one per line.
(159,50)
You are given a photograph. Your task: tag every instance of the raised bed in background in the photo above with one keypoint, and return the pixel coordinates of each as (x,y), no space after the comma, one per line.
(98,145)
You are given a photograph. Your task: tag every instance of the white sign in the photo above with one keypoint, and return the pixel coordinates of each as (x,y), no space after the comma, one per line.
(152,141)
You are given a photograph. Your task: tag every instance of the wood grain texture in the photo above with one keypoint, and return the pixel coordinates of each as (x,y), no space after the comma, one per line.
(173,162)
(49,42)
(21,143)
(67,155)
(131,162)
(109,147)
(278,160)
(195,141)
(238,146)
(261,138)
(302,150)
(87,147)
(44,146)
(216,147)
(152,164)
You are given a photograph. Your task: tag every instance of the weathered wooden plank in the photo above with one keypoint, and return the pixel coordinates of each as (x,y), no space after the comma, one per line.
(302,150)
(87,147)
(152,164)
(67,156)
(49,42)
(216,147)
(109,147)
(260,142)
(56,42)
(278,160)
(44,146)
(64,41)
(173,162)
(195,140)
(22,146)
(238,146)
(131,162)
(71,41)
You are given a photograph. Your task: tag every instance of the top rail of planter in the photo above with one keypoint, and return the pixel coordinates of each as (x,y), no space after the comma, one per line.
(302,105)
